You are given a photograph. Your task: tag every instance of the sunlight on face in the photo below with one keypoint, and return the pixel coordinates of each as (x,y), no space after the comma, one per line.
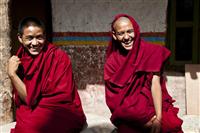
(124,32)
(33,39)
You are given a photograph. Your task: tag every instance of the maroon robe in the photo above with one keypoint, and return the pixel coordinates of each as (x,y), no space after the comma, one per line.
(128,76)
(52,104)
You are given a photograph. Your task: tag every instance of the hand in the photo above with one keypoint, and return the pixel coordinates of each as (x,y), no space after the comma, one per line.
(156,126)
(150,122)
(12,66)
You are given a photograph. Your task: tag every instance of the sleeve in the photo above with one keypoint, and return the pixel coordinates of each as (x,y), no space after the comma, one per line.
(60,86)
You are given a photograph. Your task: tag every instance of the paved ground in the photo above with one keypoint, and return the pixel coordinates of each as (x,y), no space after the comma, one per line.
(100,124)
(97,113)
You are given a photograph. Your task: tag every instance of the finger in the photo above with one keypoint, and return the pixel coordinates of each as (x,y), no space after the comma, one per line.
(14,57)
(149,123)
(15,60)
(153,118)
(18,62)
(152,130)
(157,130)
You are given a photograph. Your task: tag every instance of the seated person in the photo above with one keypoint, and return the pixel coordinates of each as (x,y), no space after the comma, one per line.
(45,94)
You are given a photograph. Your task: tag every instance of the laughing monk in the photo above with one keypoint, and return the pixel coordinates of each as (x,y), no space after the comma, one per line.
(45,94)
(136,92)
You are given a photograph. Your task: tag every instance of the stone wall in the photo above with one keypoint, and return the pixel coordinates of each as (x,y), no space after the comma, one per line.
(81,28)
(96,15)
(87,63)
(5,95)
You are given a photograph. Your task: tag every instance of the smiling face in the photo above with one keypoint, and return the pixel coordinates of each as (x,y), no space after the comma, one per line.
(124,32)
(33,39)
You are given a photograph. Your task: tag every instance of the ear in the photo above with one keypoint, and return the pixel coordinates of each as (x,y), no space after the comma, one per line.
(19,36)
(113,35)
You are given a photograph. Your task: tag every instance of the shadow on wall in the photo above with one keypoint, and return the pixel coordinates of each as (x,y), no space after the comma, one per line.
(87,62)
(193,69)
(19,9)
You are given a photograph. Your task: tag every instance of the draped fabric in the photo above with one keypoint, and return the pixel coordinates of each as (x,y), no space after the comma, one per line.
(128,76)
(52,104)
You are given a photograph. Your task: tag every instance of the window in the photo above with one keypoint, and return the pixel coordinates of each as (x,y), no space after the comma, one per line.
(183,34)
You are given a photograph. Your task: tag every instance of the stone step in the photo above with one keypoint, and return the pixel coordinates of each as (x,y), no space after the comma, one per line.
(191,123)
(6,127)
(101,124)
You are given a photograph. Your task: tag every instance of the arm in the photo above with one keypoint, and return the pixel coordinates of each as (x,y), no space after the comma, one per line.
(157,95)
(12,67)
(157,101)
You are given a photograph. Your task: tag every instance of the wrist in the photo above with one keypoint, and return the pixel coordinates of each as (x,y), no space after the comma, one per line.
(157,121)
(12,75)
(159,116)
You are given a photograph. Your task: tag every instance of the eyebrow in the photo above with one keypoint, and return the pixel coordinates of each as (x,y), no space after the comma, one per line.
(132,30)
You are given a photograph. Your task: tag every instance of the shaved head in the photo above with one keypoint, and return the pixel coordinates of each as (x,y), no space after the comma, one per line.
(120,21)
(123,32)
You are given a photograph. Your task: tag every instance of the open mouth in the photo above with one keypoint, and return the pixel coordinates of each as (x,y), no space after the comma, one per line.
(129,43)
(35,49)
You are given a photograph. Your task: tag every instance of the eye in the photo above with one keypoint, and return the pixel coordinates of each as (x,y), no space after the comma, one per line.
(119,33)
(130,31)
(28,38)
(41,37)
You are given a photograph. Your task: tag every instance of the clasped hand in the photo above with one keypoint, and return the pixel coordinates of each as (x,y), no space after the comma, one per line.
(154,124)
(12,65)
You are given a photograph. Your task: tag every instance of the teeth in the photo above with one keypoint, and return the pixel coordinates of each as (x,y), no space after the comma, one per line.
(127,43)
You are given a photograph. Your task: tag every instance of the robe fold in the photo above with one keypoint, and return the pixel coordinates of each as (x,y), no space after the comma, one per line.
(52,104)
(128,79)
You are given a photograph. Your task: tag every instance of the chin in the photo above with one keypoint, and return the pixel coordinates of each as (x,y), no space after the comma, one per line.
(129,48)
(34,52)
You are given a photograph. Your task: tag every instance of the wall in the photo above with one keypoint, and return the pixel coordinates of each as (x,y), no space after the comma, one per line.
(82,29)
(6,114)
(19,9)
(96,15)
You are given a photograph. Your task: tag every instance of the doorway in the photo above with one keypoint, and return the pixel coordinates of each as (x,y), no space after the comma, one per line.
(18,9)
(183,35)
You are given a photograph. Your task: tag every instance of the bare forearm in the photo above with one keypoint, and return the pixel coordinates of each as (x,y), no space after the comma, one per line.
(157,96)
(12,67)
(19,85)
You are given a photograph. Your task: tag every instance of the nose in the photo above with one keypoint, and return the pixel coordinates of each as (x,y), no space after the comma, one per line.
(34,41)
(126,36)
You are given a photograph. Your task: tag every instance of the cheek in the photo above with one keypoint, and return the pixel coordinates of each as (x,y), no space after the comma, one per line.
(41,42)
(132,35)
(120,38)
(26,43)
(27,46)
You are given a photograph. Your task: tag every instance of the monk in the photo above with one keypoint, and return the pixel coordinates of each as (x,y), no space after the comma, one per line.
(44,91)
(136,92)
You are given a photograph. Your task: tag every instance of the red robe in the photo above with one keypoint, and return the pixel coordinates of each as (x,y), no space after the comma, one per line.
(52,104)
(128,76)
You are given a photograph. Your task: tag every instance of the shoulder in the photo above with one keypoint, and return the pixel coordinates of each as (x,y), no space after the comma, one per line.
(111,62)
(153,57)
(110,58)
(156,48)
(59,54)
(109,67)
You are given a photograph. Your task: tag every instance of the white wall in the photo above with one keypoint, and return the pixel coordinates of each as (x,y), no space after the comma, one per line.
(96,15)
